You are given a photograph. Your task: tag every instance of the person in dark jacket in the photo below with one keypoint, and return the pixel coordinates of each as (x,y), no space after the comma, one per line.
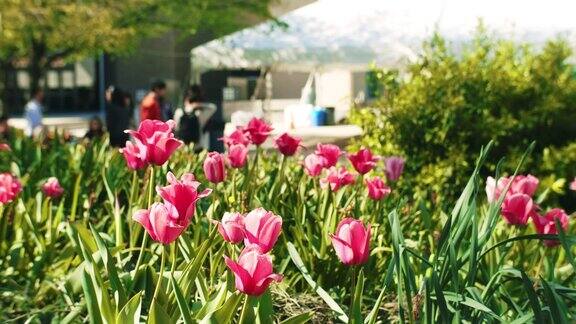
(118,115)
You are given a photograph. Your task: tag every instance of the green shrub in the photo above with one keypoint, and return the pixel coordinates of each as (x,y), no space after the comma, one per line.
(450,103)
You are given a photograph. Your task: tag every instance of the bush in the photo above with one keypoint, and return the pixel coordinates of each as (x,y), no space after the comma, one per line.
(450,103)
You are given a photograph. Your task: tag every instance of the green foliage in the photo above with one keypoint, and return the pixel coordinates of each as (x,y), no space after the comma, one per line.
(450,103)
(39,33)
(82,258)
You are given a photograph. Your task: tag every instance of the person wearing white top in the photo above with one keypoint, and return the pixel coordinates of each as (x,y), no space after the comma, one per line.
(194,104)
(33,113)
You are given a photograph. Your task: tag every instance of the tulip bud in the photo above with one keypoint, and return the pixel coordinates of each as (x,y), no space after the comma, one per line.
(262,228)
(10,187)
(162,222)
(214,167)
(547,224)
(232,227)
(394,167)
(363,161)
(516,209)
(237,155)
(352,241)
(288,145)
(253,271)
(337,178)
(52,188)
(314,164)
(330,152)
(377,189)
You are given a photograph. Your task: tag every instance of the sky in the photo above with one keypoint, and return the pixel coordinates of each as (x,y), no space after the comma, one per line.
(419,17)
(388,31)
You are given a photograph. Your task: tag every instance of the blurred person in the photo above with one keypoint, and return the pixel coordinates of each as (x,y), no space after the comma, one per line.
(167,110)
(95,129)
(151,106)
(191,119)
(118,115)
(33,112)
(4,128)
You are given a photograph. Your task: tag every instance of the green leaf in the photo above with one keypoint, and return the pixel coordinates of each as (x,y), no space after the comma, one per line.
(182,303)
(341,315)
(157,314)
(91,299)
(130,313)
(532,298)
(224,313)
(298,319)
(557,307)
(107,259)
(190,272)
(373,315)
(215,302)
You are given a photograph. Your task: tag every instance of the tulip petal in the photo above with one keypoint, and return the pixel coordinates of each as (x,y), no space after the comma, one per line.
(343,250)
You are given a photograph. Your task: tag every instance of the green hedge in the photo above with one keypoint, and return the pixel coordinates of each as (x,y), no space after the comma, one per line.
(451,102)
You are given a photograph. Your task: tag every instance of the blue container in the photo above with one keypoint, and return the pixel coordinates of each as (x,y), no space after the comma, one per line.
(319,116)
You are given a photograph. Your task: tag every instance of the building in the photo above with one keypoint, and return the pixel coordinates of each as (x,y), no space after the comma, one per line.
(77,88)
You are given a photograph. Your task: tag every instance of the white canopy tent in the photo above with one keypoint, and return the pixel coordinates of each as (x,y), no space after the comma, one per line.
(355,33)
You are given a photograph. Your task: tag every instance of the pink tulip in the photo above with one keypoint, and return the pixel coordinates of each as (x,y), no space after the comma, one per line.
(10,187)
(238,136)
(520,185)
(377,189)
(232,227)
(352,241)
(494,189)
(314,164)
(330,152)
(214,167)
(135,155)
(258,130)
(162,222)
(337,178)
(547,224)
(253,271)
(573,185)
(158,139)
(237,155)
(288,145)
(394,167)
(5,147)
(52,188)
(183,195)
(524,184)
(363,161)
(516,209)
(262,228)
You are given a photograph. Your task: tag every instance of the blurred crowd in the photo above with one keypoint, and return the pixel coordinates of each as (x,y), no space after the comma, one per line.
(190,116)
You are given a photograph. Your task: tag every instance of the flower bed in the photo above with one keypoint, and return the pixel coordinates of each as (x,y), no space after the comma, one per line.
(156,233)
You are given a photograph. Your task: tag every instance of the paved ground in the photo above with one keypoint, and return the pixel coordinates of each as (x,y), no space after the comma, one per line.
(337,134)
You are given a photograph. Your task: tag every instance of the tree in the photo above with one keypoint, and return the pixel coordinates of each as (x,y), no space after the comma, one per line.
(38,33)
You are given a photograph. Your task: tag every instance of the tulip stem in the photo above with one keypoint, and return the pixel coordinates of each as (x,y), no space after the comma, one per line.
(233,176)
(173,252)
(130,205)
(145,238)
(279,178)
(250,180)
(150,186)
(160,274)
(353,288)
